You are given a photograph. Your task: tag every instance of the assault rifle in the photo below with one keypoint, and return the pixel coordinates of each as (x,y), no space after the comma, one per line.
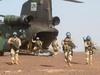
(15,45)
(90,44)
(39,46)
(70,44)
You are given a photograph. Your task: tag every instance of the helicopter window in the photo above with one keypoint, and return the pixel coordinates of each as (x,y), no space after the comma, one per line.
(33,6)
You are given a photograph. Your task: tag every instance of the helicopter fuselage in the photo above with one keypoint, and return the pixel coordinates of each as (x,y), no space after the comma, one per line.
(36,18)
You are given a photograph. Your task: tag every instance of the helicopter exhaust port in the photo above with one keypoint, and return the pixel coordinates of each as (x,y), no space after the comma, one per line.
(13,20)
(55,21)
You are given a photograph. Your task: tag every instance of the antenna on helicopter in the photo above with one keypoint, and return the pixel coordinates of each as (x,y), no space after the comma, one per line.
(74,1)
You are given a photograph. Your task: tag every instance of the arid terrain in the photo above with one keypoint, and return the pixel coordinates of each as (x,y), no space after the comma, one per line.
(35,65)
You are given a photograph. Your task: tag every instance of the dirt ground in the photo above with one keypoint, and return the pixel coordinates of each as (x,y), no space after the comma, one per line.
(35,65)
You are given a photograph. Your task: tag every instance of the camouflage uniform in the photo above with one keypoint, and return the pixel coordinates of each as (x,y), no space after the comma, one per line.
(67,50)
(36,48)
(88,51)
(29,45)
(55,44)
(13,51)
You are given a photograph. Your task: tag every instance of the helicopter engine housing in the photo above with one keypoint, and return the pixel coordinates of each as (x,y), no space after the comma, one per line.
(55,21)
(13,20)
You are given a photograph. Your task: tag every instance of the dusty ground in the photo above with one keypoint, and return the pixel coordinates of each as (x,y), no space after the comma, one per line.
(34,65)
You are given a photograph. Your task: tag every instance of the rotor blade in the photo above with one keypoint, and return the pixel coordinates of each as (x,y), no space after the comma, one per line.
(74,1)
(2,15)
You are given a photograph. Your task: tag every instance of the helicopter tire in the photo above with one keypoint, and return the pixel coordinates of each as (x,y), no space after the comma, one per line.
(1,53)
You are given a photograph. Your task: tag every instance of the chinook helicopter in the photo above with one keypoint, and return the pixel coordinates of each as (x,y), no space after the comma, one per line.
(35,18)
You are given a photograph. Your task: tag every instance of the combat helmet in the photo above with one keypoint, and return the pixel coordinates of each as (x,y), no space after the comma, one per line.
(68,33)
(88,38)
(14,33)
(37,38)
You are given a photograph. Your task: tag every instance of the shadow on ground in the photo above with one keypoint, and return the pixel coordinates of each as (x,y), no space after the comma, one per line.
(75,63)
(8,63)
(46,65)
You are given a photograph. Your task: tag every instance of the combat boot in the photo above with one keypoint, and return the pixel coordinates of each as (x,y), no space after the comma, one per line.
(90,63)
(53,55)
(87,62)
(70,63)
(12,62)
(66,64)
(16,63)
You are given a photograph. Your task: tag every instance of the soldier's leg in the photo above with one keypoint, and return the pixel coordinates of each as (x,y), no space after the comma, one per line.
(56,51)
(16,57)
(39,52)
(35,49)
(70,58)
(28,46)
(87,56)
(12,56)
(90,57)
(66,58)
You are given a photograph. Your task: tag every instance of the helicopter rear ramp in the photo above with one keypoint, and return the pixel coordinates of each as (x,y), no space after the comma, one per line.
(27,52)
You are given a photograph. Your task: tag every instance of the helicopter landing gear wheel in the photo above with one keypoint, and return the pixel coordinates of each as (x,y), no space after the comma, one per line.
(1,53)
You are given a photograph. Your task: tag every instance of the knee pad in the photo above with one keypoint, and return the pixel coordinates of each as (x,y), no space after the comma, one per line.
(12,55)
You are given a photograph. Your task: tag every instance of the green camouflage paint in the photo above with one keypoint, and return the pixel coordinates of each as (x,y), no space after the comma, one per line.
(4,29)
(2,42)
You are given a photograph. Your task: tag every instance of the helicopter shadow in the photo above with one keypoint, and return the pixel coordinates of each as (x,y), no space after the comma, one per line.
(46,66)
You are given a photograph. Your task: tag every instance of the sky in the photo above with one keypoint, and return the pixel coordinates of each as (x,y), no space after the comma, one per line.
(80,19)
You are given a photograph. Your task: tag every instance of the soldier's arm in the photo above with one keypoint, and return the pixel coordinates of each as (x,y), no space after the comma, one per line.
(62,42)
(19,42)
(85,44)
(33,41)
(58,44)
(93,43)
(41,43)
(72,40)
(9,40)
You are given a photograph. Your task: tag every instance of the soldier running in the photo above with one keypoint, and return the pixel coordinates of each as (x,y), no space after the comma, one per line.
(55,44)
(14,51)
(67,49)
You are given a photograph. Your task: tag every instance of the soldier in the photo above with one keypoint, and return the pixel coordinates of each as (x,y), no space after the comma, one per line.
(38,45)
(88,49)
(29,45)
(14,51)
(55,44)
(67,49)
